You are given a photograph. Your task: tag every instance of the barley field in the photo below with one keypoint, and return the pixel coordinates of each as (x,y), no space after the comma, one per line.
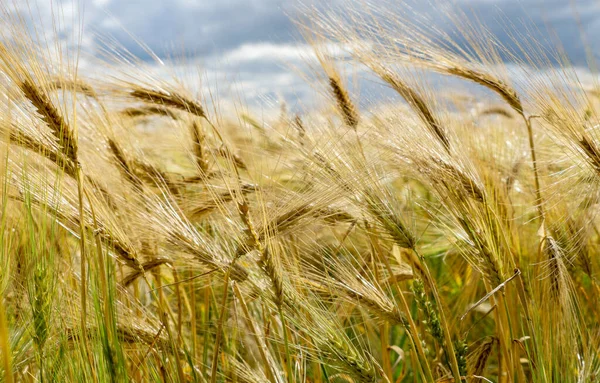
(448,234)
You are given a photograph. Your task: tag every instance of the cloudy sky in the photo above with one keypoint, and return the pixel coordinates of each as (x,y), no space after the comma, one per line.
(253,43)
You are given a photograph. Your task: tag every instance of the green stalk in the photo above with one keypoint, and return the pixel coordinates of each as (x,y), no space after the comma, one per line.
(5,345)
(414,339)
(538,193)
(107,314)
(205,320)
(447,338)
(411,329)
(102,268)
(164,315)
(254,333)
(215,362)
(83,264)
(288,359)
(193,319)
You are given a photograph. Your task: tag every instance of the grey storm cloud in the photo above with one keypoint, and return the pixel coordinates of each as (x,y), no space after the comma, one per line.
(572,25)
(202,27)
(208,27)
(256,42)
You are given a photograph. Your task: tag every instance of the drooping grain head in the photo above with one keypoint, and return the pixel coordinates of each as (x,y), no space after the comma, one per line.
(345,105)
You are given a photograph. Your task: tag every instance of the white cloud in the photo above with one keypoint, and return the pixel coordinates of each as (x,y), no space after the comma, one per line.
(266,51)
